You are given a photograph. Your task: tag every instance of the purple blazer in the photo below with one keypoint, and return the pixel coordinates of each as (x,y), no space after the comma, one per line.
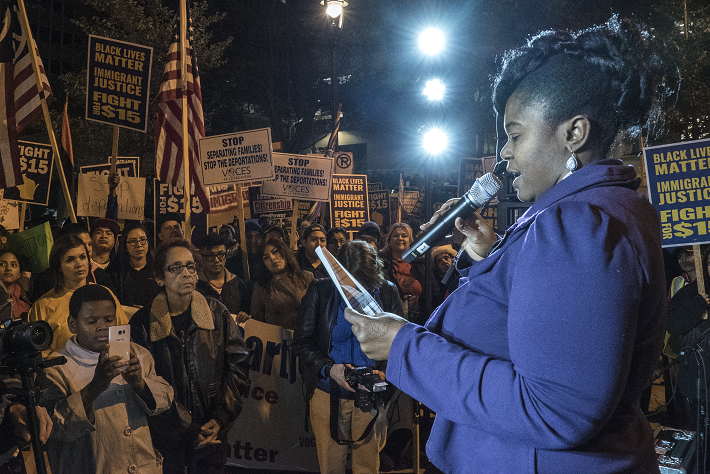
(536,363)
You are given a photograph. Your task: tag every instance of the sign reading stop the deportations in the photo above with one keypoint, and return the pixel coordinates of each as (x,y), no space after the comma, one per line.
(118,82)
(236,157)
(300,177)
(679,188)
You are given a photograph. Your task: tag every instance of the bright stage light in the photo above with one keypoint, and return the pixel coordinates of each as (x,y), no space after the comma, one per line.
(435,141)
(434,89)
(334,8)
(431,41)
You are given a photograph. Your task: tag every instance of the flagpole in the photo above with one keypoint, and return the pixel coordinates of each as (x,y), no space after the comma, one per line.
(185,150)
(24,23)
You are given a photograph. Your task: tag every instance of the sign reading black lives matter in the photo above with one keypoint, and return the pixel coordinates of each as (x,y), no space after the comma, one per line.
(349,207)
(300,177)
(236,157)
(679,188)
(36,161)
(118,82)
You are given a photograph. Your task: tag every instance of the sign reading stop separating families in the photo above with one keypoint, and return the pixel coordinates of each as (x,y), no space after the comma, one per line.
(679,188)
(118,82)
(36,161)
(300,177)
(236,157)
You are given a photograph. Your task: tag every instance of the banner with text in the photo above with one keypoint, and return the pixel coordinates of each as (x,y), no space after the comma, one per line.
(169,198)
(349,207)
(300,177)
(34,245)
(93,196)
(118,83)
(123,169)
(36,162)
(470,169)
(379,207)
(679,188)
(269,206)
(237,157)
(270,434)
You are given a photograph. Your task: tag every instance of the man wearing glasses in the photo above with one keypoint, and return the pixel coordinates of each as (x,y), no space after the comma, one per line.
(219,283)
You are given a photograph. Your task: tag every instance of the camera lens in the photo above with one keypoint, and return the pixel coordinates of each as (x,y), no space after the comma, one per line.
(38,335)
(27,337)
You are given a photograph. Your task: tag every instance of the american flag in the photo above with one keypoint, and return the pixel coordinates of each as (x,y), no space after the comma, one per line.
(169,167)
(333,141)
(18,93)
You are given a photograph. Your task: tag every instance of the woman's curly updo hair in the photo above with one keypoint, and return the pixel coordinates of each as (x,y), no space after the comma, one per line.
(613,74)
(360,259)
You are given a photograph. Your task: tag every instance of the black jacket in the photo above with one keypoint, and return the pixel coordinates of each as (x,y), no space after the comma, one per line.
(316,319)
(209,373)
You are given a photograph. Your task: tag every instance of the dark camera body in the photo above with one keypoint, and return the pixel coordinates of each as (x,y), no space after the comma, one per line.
(375,387)
(25,339)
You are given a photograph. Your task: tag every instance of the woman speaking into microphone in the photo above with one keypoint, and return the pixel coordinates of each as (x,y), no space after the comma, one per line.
(536,363)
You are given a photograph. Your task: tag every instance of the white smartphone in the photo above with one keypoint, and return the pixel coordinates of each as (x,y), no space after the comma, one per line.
(119,340)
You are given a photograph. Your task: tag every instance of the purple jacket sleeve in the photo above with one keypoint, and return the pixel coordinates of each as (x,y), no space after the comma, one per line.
(573,297)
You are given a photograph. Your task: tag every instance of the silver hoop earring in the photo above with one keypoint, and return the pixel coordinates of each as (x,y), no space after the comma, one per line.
(573,163)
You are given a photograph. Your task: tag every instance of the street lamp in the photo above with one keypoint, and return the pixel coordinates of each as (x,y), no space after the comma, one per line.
(334,9)
(435,141)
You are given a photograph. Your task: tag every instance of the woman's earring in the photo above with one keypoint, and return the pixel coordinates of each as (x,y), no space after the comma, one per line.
(573,163)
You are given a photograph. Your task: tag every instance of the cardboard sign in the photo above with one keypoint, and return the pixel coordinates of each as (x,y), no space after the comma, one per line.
(9,214)
(268,206)
(169,198)
(379,207)
(679,188)
(123,169)
(300,177)
(36,162)
(349,206)
(34,245)
(236,157)
(118,83)
(93,196)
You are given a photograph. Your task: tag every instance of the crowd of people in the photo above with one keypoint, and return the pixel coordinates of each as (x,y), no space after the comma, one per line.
(181,390)
(535,360)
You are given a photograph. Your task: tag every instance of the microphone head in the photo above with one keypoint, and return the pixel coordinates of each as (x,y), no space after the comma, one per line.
(483,190)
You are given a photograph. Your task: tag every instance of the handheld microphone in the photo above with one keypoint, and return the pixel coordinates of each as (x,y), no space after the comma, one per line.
(478,196)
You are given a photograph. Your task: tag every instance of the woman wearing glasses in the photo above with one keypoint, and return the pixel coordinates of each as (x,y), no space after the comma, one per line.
(131,271)
(199,350)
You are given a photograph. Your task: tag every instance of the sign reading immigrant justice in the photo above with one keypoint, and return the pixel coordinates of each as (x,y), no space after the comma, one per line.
(349,207)
(118,83)
(36,162)
(236,157)
(300,177)
(679,188)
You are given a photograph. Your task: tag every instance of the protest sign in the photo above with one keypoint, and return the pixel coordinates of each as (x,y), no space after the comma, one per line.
(224,204)
(36,162)
(268,206)
(134,160)
(236,157)
(34,245)
(93,196)
(470,169)
(118,83)
(679,189)
(9,214)
(270,434)
(349,206)
(300,177)
(379,206)
(169,198)
(409,200)
(374,187)
(126,169)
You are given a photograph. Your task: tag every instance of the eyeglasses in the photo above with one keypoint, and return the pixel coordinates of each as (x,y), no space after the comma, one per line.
(177,269)
(136,242)
(210,257)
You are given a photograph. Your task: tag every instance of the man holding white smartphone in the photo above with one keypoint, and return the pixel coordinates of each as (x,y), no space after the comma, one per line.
(101,403)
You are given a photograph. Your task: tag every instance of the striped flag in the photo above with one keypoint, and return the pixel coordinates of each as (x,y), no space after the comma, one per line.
(18,93)
(333,141)
(67,151)
(169,167)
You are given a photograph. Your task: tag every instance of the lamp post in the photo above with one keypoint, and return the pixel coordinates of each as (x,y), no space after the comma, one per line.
(335,10)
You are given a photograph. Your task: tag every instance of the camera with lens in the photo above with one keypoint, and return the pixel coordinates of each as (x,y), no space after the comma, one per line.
(374,387)
(20,342)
